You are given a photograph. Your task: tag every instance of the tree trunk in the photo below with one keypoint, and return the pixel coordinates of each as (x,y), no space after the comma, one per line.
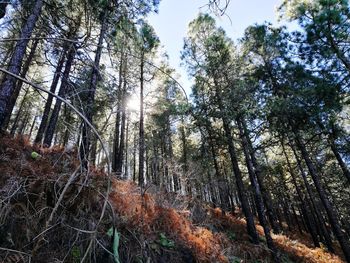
(116,142)
(120,155)
(331,141)
(257,192)
(332,215)
(48,103)
(240,186)
(32,126)
(126,170)
(51,127)
(184,154)
(141,127)
(17,90)
(341,163)
(321,224)
(24,124)
(134,159)
(85,140)
(236,170)
(8,84)
(94,145)
(18,114)
(309,221)
(271,213)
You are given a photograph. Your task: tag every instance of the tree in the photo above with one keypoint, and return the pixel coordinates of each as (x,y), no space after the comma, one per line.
(295,99)
(207,52)
(148,41)
(7,86)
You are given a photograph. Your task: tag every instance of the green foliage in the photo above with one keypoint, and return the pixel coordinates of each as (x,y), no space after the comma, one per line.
(75,253)
(148,40)
(234,259)
(35,155)
(231,235)
(116,239)
(165,242)
(324,39)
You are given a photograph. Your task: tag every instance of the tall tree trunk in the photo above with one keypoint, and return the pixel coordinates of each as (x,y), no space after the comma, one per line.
(331,212)
(48,103)
(134,159)
(95,75)
(309,221)
(235,167)
(120,156)
(271,213)
(141,126)
(24,124)
(240,186)
(8,85)
(18,114)
(170,153)
(68,119)
(331,138)
(340,160)
(184,154)
(127,147)
(285,202)
(256,188)
(24,71)
(217,173)
(296,219)
(51,127)
(32,126)
(116,142)
(321,224)
(94,144)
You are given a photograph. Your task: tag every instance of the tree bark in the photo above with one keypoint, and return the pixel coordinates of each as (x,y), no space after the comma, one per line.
(86,133)
(256,188)
(116,141)
(134,159)
(18,85)
(240,186)
(127,147)
(331,212)
(47,108)
(184,153)
(51,127)
(32,126)
(18,114)
(141,126)
(321,224)
(341,163)
(236,170)
(309,221)
(8,84)
(271,213)
(120,155)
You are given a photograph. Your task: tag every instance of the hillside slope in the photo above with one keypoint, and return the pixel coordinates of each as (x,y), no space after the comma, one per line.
(51,211)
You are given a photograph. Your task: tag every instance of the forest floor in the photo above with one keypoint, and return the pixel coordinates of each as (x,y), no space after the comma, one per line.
(50,211)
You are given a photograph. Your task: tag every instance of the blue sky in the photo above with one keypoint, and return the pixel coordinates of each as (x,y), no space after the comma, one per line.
(174,16)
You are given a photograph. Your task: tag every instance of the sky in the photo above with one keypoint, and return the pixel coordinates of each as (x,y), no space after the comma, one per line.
(173,18)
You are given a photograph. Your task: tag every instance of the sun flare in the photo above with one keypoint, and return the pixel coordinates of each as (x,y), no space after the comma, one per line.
(133,103)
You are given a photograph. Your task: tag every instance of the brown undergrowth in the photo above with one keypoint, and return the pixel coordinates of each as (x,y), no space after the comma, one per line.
(153,226)
(295,250)
(42,218)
